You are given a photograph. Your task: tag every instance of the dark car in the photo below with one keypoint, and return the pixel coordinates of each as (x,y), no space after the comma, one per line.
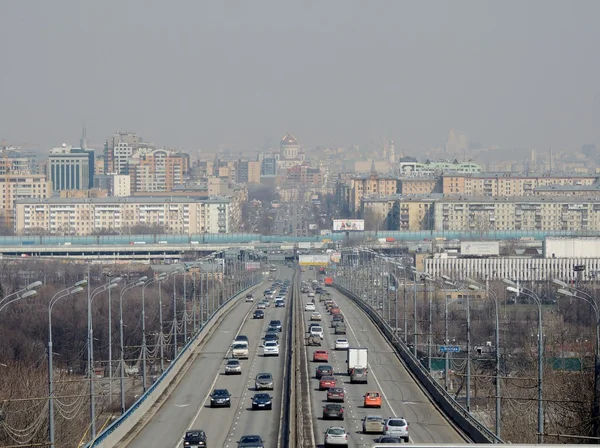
(259,314)
(251,442)
(220,398)
(333,411)
(388,439)
(275,324)
(262,401)
(194,438)
(271,337)
(337,317)
(324,370)
(335,394)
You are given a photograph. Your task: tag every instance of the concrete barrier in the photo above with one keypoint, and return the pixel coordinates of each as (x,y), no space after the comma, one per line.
(478,432)
(119,429)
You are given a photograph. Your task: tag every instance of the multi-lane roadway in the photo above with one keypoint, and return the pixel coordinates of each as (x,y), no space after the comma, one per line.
(188,404)
(402,397)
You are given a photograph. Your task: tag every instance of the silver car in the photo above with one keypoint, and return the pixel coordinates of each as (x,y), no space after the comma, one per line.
(396,427)
(263,381)
(233,367)
(335,435)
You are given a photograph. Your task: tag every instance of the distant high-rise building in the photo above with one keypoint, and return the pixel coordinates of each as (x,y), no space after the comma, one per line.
(157,169)
(71,168)
(248,172)
(457,143)
(118,150)
(268,164)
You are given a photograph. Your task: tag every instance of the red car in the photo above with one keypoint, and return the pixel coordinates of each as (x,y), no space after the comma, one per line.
(321,355)
(326,382)
(335,394)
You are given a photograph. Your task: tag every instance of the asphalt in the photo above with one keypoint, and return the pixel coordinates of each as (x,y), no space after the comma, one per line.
(188,406)
(402,396)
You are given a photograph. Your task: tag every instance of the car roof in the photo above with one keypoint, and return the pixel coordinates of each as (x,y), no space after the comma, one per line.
(220,391)
(264,374)
(324,366)
(327,378)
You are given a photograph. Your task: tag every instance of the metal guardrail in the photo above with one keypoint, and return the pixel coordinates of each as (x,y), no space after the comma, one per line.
(478,432)
(175,364)
(288,421)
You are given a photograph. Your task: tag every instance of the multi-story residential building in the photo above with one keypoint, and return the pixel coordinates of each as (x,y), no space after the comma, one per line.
(371,184)
(589,190)
(119,149)
(484,214)
(507,184)
(412,185)
(157,169)
(71,168)
(14,165)
(304,174)
(78,216)
(248,172)
(399,212)
(116,184)
(24,186)
(99,165)
(439,167)
(80,194)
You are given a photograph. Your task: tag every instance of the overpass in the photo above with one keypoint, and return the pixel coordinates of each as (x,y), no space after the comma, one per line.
(296,399)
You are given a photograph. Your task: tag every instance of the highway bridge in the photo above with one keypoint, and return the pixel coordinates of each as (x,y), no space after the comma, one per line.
(296,417)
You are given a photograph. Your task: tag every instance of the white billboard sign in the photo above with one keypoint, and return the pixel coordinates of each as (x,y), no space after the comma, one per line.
(348,225)
(480,247)
(313,260)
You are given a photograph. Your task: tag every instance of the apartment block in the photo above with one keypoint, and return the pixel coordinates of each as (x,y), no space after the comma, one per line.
(483,214)
(85,216)
(399,212)
(438,167)
(507,184)
(370,185)
(411,185)
(115,184)
(157,170)
(248,172)
(14,187)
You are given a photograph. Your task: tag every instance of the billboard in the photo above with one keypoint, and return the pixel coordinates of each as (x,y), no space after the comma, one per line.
(253,265)
(348,225)
(480,247)
(314,260)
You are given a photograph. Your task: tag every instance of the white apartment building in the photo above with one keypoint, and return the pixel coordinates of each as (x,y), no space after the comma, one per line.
(484,214)
(86,216)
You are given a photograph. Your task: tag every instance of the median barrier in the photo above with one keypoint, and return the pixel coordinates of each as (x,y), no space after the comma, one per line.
(476,431)
(119,429)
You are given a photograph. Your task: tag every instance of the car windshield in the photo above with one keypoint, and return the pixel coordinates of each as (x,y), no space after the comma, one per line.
(334,407)
(262,396)
(241,337)
(233,362)
(270,344)
(220,392)
(324,368)
(336,431)
(237,346)
(264,377)
(373,395)
(327,378)
(336,390)
(193,435)
(342,341)
(373,418)
(250,439)
(396,422)
(275,322)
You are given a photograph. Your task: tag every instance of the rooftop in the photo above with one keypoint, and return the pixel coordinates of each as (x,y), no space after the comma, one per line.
(288,139)
(124,200)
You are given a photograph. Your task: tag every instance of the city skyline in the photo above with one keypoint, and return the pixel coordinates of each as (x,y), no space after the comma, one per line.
(208,76)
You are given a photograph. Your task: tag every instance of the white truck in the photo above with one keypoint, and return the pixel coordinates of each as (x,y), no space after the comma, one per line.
(357,359)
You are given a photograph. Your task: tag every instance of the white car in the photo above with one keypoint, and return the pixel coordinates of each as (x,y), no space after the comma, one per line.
(396,427)
(316,331)
(310,307)
(342,344)
(315,316)
(271,348)
(336,435)
(249,298)
(311,294)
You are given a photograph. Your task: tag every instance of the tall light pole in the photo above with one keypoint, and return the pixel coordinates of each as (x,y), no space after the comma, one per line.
(531,294)
(491,293)
(139,282)
(90,346)
(160,323)
(144,349)
(569,291)
(28,291)
(76,289)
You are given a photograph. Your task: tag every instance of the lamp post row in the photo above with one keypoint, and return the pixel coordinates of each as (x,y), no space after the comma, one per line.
(238,282)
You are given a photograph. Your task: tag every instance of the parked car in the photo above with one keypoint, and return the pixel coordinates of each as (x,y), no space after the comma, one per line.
(336,394)
(262,401)
(333,411)
(194,438)
(220,398)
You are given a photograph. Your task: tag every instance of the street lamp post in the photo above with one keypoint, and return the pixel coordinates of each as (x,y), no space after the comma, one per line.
(139,282)
(513,288)
(144,374)
(76,289)
(28,291)
(569,291)
(489,292)
(90,346)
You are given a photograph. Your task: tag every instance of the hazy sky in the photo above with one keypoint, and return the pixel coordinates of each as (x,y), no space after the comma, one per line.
(198,74)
